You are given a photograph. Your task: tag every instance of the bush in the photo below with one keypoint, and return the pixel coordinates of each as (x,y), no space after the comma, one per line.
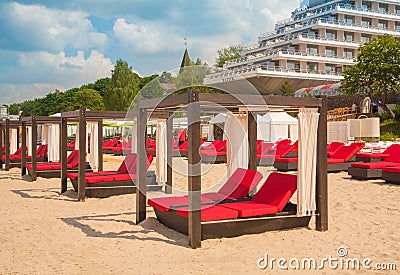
(389,136)
(396,111)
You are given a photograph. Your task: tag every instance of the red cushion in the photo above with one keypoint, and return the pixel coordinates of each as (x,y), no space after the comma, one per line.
(46,167)
(392,170)
(286,160)
(346,152)
(251,209)
(373,165)
(209,153)
(369,155)
(240,183)
(124,177)
(335,160)
(394,157)
(211,213)
(97,179)
(165,204)
(73,176)
(277,190)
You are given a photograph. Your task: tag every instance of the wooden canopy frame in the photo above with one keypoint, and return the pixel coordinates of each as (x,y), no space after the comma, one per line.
(82,116)
(194,102)
(33,121)
(5,126)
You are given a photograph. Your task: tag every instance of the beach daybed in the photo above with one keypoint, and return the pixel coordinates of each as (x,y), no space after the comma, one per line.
(109,145)
(278,150)
(53,169)
(311,111)
(340,160)
(104,184)
(238,186)
(215,153)
(391,174)
(373,170)
(333,147)
(369,157)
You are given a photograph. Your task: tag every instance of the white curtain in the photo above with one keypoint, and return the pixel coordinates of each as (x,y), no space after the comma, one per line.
(94,152)
(279,131)
(294,132)
(161,146)
(306,179)
(86,137)
(237,146)
(71,129)
(53,140)
(211,131)
(45,130)
(13,141)
(29,140)
(134,137)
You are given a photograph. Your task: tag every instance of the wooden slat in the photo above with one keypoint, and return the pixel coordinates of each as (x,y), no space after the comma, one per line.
(252,140)
(322,177)
(168,188)
(7,142)
(141,167)
(34,143)
(168,101)
(63,154)
(194,170)
(23,145)
(82,155)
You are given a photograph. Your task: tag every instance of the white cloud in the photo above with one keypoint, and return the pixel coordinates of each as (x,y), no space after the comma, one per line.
(42,72)
(146,37)
(39,27)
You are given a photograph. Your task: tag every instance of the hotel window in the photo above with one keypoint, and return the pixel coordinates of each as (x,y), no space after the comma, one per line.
(365,38)
(365,22)
(329,68)
(383,8)
(382,24)
(397,10)
(348,36)
(312,67)
(348,53)
(366,5)
(330,51)
(293,66)
(397,27)
(331,35)
(349,20)
(312,50)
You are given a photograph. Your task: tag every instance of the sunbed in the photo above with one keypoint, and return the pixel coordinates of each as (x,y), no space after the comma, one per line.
(391,174)
(369,157)
(215,153)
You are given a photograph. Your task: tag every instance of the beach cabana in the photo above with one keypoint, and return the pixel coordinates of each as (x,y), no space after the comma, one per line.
(311,179)
(81,184)
(10,131)
(29,139)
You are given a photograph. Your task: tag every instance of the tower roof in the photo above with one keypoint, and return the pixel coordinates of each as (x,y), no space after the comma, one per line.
(185,60)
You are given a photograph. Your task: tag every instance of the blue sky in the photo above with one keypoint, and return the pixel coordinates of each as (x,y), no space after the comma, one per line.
(47,45)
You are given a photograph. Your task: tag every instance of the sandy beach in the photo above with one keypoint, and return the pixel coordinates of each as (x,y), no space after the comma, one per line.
(43,232)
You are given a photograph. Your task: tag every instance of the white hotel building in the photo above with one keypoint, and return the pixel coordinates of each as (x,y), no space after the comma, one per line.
(313,46)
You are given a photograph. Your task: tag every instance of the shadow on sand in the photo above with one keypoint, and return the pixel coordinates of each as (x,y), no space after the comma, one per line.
(140,232)
(47,193)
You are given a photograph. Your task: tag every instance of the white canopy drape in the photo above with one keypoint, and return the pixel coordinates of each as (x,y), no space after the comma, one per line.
(134,135)
(161,145)
(13,141)
(306,180)
(53,140)
(29,140)
(237,147)
(45,130)
(94,141)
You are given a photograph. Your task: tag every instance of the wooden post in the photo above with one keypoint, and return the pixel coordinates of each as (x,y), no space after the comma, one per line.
(252,140)
(168,187)
(100,145)
(322,175)
(194,170)
(141,187)
(23,145)
(1,146)
(82,155)
(63,153)
(34,143)
(7,143)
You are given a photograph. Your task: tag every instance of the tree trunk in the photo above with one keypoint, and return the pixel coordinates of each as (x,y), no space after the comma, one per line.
(385,107)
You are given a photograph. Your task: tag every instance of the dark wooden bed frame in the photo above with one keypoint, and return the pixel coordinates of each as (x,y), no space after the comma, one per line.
(194,101)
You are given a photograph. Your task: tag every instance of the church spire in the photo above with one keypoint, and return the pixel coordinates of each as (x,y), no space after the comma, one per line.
(186,59)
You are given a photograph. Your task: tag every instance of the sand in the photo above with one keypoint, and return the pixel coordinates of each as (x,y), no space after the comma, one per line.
(43,232)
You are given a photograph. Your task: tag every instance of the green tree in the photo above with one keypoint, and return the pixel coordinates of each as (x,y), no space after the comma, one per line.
(153,89)
(101,85)
(14,109)
(88,99)
(229,53)
(287,88)
(377,70)
(123,87)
